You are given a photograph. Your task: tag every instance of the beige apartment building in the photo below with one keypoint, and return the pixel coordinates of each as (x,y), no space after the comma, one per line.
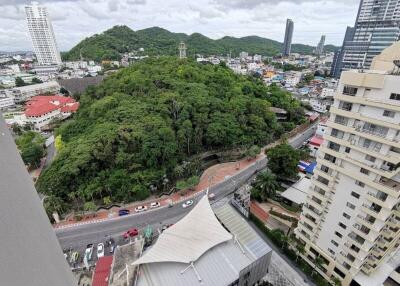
(352,215)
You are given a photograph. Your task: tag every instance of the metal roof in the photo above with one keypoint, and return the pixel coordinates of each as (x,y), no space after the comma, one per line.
(298,192)
(189,238)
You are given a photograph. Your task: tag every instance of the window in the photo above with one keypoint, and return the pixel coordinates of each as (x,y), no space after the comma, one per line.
(389,113)
(348,90)
(395,96)
(324,169)
(334,243)
(338,234)
(346,215)
(334,146)
(338,272)
(370,158)
(364,171)
(347,150)
(354,194)
(350,205)
(360,184)
(331,251)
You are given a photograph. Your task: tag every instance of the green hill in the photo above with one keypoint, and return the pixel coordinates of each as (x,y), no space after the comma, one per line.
(145,123)
(157,41)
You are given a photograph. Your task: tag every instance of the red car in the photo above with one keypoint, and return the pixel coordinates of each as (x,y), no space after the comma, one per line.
(130,233)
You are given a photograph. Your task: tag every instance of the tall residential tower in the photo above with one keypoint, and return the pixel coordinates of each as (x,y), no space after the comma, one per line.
(287,43)
(41,31)
(351,218)
(319,50)
(377,27)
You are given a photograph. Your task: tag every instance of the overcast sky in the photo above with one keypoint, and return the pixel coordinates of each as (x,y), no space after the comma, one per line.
(74,20)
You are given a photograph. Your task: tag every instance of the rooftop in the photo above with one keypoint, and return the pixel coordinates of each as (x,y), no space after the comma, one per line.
(102,271)
(42,104)
(298,192)
(37,86)
(221,262)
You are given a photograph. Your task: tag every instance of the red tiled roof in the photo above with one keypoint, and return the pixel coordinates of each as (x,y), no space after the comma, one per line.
(42,104)
(102,271)
(70,108)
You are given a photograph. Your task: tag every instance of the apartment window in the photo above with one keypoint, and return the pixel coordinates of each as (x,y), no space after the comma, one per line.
(341,120)
(347,150)
(348,90)
(338,272)
(388,113)
(346,216)
(337,133)
(342,225)
(370,158)
(360,184)
(364,171)
(323,180)
(334,146)
(331,251)
(395,96)
(324,169)
(350,205)
(330,158)
(338,234)
(334,243)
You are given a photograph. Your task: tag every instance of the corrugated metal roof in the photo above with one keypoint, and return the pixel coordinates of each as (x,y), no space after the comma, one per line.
(102,271)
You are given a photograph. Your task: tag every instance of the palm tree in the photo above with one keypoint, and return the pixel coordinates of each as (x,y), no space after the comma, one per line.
(300,250)
(266,185)
(317,263)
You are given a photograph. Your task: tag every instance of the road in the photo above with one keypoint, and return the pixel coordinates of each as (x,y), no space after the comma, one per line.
(77,237)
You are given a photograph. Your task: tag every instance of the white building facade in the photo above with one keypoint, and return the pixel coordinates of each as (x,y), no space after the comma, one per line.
(352,215)
(42,35)
(23,93)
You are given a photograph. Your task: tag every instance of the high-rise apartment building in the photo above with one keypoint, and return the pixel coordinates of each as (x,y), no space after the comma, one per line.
(319,50)
(351,218)
(377,27)
(337,63)
(41,31)
(287,43)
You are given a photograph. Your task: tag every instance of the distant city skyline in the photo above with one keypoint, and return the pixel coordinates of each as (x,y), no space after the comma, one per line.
(73,20)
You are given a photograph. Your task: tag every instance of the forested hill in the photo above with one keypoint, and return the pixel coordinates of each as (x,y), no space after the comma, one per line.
(143,123)
(157,41)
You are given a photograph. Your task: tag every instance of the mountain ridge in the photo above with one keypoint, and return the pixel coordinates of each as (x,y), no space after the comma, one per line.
(110,44)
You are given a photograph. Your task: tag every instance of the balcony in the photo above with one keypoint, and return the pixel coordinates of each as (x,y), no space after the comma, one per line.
(313,209)
(357,239)
(350,91)
(346,106)
(341,120)
(362,228)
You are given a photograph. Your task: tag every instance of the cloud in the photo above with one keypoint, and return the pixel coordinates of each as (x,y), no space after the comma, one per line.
(73,20)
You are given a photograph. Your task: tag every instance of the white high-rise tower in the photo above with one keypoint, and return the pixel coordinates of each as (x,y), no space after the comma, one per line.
(350,223)
(41,31)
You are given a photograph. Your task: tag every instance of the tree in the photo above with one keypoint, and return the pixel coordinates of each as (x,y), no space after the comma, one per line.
(252,152)
(16,129)
(318,261)
(283,160)
(265,186)
(31,155)
(300,250)
(35,80)
(89,206)
(58,143)
(187,184)
(19,82)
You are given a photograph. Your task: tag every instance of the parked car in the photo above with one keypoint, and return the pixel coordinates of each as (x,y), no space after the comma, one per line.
(140,209)
(89,251)
(211,196)
(100,250)
(187,204)
(123,212)
(130,233)
(111,244)
(154,205)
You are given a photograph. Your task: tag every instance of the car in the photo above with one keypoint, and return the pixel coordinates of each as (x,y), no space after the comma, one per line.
(154,205)
(89,251)
(100,250)
(130,233)
(123,212)
(140,209)
(211,196)
(111,244)
(187,204)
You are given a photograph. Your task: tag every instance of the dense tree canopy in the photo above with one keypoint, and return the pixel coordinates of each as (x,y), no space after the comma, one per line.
(137,132)
(31,146)
(283,160)
(157,41)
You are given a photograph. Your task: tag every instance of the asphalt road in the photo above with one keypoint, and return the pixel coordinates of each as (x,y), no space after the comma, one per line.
(78,237)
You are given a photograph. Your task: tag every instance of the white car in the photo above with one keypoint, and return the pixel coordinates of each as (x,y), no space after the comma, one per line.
(89,252)
(187,204)
(100,250)
(154,205)
(140,209)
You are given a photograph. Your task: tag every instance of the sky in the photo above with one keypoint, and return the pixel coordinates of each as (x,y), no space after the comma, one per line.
(73,20)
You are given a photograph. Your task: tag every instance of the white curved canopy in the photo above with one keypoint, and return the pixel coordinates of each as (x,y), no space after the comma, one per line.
(189,238)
